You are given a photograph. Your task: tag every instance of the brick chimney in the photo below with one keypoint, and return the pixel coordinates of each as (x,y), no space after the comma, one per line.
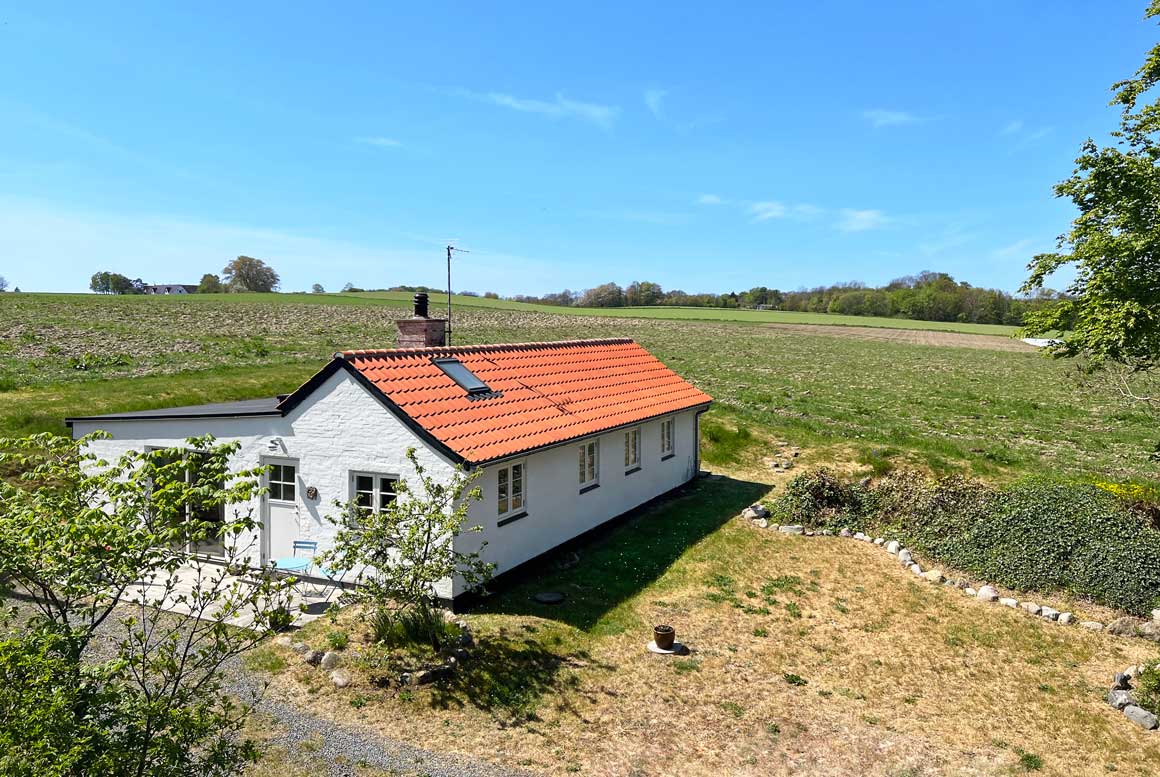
(421,331)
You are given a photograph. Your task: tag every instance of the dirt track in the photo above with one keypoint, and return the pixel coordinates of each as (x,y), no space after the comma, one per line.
(915,336)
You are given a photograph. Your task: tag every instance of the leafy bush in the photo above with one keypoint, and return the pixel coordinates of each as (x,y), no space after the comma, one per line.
(1036,534)
(338,640)
(1148,688)
(818,498)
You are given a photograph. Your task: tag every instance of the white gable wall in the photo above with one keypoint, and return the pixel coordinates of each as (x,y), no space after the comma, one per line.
(337,429)
(557,511)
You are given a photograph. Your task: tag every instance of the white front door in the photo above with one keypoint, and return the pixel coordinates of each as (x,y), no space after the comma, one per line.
(281,521)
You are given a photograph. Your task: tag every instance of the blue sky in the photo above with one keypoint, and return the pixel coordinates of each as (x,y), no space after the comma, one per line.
(704,146)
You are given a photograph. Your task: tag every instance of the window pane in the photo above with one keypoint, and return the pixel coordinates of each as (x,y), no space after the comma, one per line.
(364,483)
(364,499)
(503,505)
(275,490)
(288,492)
(627,444)
(582,465)
(517,501)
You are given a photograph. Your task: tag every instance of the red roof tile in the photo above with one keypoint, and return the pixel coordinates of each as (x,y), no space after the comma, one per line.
(547,392)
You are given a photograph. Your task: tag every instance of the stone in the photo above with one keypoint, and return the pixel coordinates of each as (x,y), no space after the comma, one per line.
(330,660)
(1141,717)
(761,523)
(905,557)
(846,533)
(916,569)
(312,657)
(1123,627)
(1050,613)
(893,547)
(1119,699)
(1030,607)
(300,647)
(879,541)
(864,482)
(1122,682)
(750,514)
(861,537)
(760,509)
(340,677)
(970,591)
(1150,631)
(283,641)
(1091,625)
(1156,615)
(1065,618)
(1007,601)
(934,575)
(465,640)
(1132,672)
(791,529)
(987,593)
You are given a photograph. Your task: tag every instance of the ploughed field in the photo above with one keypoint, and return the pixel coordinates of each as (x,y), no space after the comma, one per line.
(849,396)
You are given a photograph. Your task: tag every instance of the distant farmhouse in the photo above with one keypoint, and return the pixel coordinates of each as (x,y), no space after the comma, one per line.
(169,288)
(565,436)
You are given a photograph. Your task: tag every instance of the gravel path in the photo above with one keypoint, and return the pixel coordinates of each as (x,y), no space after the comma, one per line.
(345,747)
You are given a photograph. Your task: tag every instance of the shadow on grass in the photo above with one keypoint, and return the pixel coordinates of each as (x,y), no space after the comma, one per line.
(511,677)
(617,562)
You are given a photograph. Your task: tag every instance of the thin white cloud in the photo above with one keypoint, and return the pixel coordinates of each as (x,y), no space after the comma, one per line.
(654,99)
(854,220)
(378,140)
(561,107)
(764,211)
(880,117)
(1012,127)
(1020,248)
(710,199)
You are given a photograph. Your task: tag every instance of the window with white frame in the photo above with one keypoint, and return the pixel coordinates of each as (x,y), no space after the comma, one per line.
(667,437)
(590,463)
(373,493)
(632,450)
(511,488)
(281,480)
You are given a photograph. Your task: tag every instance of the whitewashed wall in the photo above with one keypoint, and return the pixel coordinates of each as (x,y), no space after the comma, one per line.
(337,429)
(557,511)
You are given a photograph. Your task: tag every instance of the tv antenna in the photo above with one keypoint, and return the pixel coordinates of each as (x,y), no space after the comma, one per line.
(450,249)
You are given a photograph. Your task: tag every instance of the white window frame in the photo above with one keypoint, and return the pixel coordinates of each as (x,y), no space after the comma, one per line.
(632,450)
(376,491)
(504,493)
(589,464)
(270,481)
(668,437)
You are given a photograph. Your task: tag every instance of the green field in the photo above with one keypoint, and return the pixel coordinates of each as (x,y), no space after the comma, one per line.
(993,413)
(699,314)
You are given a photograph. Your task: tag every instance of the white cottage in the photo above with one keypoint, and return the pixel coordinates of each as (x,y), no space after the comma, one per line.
(568,435)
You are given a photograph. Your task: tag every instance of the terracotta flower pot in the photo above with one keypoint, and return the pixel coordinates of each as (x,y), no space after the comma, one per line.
(664,636)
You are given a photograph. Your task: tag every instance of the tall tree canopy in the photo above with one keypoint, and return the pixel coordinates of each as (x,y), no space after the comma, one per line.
(1112,312)
(210,284)
(249,274)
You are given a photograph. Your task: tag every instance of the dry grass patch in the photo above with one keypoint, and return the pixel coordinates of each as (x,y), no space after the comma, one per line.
(816,654)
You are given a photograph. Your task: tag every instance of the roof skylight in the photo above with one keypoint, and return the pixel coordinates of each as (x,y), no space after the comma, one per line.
(463,377)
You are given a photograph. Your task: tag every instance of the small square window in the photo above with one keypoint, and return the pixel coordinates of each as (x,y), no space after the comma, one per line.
(511,489)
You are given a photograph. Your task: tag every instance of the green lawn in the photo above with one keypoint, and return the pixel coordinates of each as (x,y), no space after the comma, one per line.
(989,412)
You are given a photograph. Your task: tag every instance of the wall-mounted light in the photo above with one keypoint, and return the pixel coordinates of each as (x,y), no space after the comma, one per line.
(275,444)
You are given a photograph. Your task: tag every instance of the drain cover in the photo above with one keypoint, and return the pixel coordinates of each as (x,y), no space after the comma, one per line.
(549,597)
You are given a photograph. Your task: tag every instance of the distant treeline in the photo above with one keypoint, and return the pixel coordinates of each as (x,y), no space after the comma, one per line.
(928,296)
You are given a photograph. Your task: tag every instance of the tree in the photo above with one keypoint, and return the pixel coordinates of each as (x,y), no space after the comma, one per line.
(249,274)
(607,295)
(1112,309)
(348,286)
(101,282)
(3,283)
(317,289)
(210,284)
(99,548)
(408,546)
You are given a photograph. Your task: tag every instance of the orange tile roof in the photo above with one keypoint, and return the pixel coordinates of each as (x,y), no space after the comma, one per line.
(549,392)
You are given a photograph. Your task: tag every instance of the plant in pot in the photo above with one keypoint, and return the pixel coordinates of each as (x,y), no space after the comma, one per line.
(664,636)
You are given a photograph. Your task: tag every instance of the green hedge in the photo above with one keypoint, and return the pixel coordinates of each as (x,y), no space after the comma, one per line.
(1036,534)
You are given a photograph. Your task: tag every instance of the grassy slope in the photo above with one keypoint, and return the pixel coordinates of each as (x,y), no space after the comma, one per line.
(993,412)
(902,677)
(704,314)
